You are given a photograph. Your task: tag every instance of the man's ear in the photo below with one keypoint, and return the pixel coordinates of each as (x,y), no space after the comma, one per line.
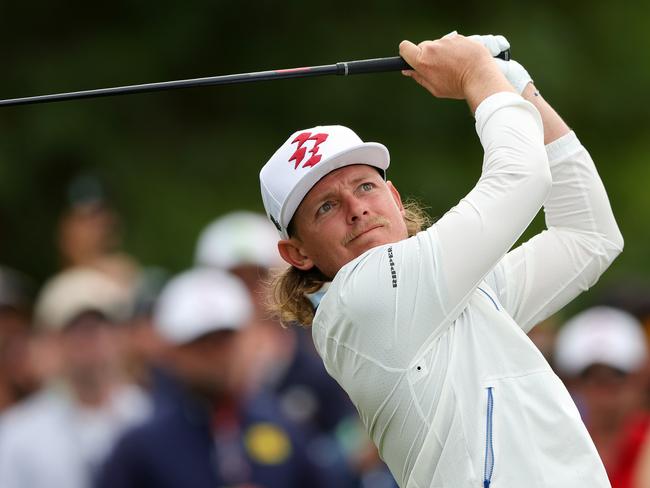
(290,251)
(396,196)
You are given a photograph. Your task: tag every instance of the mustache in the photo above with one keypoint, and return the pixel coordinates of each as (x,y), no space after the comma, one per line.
(367,225)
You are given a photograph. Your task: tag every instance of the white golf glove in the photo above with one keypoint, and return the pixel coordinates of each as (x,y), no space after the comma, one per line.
(514,72)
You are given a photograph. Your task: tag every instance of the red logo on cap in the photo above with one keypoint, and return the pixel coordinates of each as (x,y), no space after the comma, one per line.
(299,155)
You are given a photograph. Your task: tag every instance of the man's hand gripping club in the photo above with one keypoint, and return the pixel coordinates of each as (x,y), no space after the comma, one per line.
(455,67)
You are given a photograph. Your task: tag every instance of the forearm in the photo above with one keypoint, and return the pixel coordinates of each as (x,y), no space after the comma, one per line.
(554,126)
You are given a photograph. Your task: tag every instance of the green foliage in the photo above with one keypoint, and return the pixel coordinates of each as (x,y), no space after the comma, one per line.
(175,160)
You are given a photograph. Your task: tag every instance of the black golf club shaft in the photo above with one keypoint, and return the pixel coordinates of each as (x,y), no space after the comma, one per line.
(345,68)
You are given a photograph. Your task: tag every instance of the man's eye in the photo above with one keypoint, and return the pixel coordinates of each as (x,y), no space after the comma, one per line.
(367,186)
(324,208)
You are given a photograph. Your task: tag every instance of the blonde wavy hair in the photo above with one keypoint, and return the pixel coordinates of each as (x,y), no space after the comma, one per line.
(288,288)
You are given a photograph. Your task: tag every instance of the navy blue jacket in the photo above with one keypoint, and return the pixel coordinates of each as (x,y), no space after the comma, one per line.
(176,448)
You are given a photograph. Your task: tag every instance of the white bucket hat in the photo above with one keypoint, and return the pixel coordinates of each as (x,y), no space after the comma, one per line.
(306,157)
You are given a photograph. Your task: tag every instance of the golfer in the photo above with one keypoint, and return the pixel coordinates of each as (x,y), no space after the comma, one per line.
(425,329)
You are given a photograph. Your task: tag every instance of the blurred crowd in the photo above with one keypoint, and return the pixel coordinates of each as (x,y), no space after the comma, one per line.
(113,374)
(116,375)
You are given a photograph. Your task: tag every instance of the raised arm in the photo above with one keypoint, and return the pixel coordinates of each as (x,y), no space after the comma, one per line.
(538,278)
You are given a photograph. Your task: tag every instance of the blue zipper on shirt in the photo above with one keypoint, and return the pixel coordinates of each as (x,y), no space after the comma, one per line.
(488,467)
(491,299)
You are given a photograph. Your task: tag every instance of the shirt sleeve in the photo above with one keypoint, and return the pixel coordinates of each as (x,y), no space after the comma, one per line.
(582,239)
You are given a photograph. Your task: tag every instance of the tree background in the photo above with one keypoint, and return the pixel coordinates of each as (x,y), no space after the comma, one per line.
(173,161)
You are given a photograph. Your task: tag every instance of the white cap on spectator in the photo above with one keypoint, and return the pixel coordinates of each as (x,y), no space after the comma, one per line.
(201,301)
(73,292)
(239,238)
(600,335)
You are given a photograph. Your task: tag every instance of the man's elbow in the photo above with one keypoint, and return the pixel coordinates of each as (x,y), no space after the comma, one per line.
(617,243)
(607,247)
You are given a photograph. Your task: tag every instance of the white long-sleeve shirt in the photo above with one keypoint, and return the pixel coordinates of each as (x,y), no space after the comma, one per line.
(427,335)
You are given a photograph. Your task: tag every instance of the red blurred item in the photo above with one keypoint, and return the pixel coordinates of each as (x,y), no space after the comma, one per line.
(631,441)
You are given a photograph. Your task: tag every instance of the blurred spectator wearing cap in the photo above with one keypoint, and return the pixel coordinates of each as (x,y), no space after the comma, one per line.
(61,435)
(17,376)
(245,244)
(284,360)
(208,436)
(602,355)
(89,232)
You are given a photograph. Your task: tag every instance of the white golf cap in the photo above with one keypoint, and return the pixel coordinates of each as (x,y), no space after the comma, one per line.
(201,301)
(600,335)
(306,157)
(72,292)
(236,239)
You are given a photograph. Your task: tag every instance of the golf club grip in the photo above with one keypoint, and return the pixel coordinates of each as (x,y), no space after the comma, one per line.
(395,63)
(378,65)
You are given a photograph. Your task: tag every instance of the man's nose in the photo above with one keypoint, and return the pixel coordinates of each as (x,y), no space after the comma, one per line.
(356,209)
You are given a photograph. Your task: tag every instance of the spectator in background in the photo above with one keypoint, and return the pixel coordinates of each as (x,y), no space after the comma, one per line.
(60,436)
(284,359)
(89,232)
(602,355)
(243,244)
(208,435)
(17,376)
(143,342)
